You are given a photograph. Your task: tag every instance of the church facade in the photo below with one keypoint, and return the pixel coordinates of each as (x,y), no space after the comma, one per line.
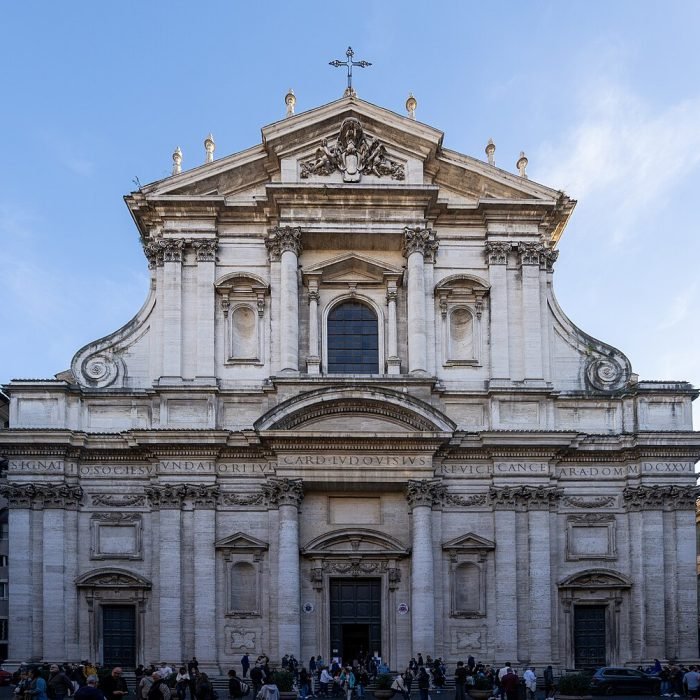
(351,416)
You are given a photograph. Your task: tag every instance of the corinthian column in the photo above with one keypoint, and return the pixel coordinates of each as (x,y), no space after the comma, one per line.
(287,495)
(284,244)
(418,244)
(421,495)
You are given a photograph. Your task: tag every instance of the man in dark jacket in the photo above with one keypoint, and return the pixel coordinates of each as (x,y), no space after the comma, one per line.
(89,691)
(59,686)
(114,686)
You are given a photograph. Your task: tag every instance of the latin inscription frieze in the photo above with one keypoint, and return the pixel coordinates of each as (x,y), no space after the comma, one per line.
(35,466)
(354,461)
(245,468)
(111,470)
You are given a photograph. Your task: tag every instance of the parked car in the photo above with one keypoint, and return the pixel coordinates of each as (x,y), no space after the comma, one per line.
(611,680)
(5,677)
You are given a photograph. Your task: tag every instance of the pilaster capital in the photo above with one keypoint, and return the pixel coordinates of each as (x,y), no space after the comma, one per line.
(205,249)
(548,256)
(497,252)
(203,495)
(282,238)
(420,240)
(314,295)
(59,495)
(530,253)
(172,249)
(524,497)
(283,492)
(424,492)
(660,497)
(166,496)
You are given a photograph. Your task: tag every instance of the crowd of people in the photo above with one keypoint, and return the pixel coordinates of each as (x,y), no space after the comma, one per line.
(317,679)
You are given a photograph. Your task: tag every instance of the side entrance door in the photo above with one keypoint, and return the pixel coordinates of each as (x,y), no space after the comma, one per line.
(119,635)
(589,636)
(356,617)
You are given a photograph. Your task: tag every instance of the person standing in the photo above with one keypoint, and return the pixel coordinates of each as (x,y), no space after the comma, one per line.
(182,681)
(423,682)
(530,679)
(59,686)
(37,687)
(257,677)
(234,685)
(691,681)
(159,688)
(460,680)
(245,664)
(89,691)
(114,686)
(548,682)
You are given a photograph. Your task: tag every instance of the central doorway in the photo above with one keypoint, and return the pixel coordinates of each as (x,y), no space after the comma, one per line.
(589,636)
(119,635)
(356,617)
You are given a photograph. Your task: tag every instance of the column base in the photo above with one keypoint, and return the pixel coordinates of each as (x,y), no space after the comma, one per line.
(393,365)
(313,365)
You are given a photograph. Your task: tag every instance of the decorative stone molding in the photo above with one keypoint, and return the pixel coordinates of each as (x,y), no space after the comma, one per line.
(175,495)
(497,252)
(283,492)
(249,499)
(606,374)
(529,497)
(116,535)
(475,499)
(112,578)
(42,495)
(530,253)
(548,256)
(283,238)
(104,499)
(598,502)
(420,240)
(102,369)
(205,250)
(596,578)
(591,518)
(425,492)
(660,497)
(353,154)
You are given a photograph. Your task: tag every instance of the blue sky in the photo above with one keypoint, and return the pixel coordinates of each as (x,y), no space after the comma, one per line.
(604,97)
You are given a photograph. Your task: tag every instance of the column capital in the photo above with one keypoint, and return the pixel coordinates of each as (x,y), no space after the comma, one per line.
(172,249)
(659,497)
(424,492)
(548,256)
(283,492)
(530,253)
(282,238)
(420,240)
(205,249)
(60,495)
(497,252)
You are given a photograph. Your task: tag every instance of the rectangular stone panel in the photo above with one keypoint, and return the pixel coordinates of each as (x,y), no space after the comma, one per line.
(345,511)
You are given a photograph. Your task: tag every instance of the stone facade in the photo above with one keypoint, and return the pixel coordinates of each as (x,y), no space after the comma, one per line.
(203,477)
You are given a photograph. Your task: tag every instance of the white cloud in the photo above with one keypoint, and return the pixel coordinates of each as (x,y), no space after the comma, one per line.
(622,152)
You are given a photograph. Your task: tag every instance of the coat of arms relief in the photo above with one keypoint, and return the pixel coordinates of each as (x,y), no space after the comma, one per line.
(354,154)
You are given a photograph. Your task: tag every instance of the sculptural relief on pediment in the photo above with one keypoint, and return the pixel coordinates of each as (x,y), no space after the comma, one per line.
(354,154)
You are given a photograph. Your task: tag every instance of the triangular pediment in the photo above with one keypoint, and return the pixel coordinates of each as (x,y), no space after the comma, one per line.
(353,267)
(346,147)
(469,542)
(241,542)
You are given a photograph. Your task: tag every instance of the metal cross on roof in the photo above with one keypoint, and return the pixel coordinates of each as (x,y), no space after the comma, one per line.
(349,92)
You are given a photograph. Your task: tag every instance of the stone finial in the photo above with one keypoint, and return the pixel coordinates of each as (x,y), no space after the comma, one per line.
(522,164)
(490,151)
(411,104)
(177,161)
(209,147)
(290,100)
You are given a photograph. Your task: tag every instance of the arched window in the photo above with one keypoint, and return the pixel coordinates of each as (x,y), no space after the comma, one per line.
(353,339)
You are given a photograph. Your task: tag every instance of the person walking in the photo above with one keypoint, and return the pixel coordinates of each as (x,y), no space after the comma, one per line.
(245,664)
(460,681)
(37,687)
(59,686)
